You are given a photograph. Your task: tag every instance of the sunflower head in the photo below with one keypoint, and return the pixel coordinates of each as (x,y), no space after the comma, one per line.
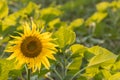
(32,48)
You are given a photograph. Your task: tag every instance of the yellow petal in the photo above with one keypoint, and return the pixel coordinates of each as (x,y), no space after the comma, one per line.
(46,35)
(13,55)
(33,27)
(51,57)
(38,65)
(15,37)
(26,29)
(45,62)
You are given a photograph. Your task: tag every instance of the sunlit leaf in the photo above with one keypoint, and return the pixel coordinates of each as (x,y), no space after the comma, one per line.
(91,71)
(76,63)
(77,48)
(106,74)
(96,18)
(116,66)
(50,13)
(5,67)
(101,55)
(77,54)
(50,10)
(64,37)
(3,9)
(76,23)
(115,4)
(12,19)
(55,23)
(102,6)
(115,76)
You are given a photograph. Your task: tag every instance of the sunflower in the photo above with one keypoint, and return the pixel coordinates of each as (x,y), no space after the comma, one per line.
(32,48)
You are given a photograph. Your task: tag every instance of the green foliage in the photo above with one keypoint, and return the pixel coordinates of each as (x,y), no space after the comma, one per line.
(64,37)
(77,26)
(101,55)
(115,76)
(96,18)
(14,19)
(3,9)
(76,23)
(50,13)
(102,6)
(106,74)
(5,67)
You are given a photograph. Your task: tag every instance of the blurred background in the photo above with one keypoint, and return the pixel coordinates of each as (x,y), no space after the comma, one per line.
(95,22)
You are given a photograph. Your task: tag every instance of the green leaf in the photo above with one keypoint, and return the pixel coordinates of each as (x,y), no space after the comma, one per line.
(5,67)
(103,6)
(101,55)
(3,9)
(15,73)
(42,73)
(12,19)
(50,13)
(98,76)
(118,58)
(50,10)
(92,71)
(97,17)
(77,55)
(108,64)
(77,48)
(76,63)
(82,78)
(88,55)
(76,23)
(55,24)
(106,74)
(64,37)
(100,31)
(115,76)
(116,66)
(115,4)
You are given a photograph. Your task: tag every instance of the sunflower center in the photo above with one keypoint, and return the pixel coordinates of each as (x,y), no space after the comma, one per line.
(31,47)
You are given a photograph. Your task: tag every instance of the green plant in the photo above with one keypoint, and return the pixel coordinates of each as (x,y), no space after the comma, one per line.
(80,30)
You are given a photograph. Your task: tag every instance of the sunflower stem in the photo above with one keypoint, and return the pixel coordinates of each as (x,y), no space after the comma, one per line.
(78,73)
(58,74)
(29,74)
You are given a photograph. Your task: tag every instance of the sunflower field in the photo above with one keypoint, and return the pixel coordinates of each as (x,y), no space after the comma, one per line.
(59,39)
